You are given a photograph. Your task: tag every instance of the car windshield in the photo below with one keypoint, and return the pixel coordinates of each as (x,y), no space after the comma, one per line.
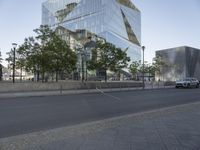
(187,79)
(183,80)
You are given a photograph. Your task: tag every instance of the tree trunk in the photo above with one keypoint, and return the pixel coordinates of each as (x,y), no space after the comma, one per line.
(57,66)
(38,75)
(118,74)
(56,76)
(52,77)
(42,76)
(106,76)
(21,74)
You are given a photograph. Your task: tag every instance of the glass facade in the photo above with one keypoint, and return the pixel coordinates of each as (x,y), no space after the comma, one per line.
(116,21)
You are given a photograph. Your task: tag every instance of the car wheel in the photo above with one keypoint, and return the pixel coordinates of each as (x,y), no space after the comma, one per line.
(197,86)
(188,85)
(177,87)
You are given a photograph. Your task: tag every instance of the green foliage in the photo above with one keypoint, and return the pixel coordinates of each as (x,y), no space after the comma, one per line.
(10,58)
(31,51)
(105,56)
(44,35)
(134,68)
(44,53)
(152,70)
(62,58)
(42,56)
(146,68)
(158,63)
(137,67)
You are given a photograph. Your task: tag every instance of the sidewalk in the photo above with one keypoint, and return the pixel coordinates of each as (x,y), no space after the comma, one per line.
(173,128)
(65,92)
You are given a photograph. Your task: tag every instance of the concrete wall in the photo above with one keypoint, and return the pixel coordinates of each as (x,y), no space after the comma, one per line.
(9,87)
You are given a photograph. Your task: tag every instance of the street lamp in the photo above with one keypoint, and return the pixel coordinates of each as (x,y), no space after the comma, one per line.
(143,48)
(14,49)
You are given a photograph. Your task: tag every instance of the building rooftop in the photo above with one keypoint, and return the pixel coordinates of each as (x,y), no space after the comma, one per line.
(179,47)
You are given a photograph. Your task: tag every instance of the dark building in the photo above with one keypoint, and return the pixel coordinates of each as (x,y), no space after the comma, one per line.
(179,62)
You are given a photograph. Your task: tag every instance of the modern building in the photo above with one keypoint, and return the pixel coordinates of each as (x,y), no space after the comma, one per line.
(179,62)
(116,21)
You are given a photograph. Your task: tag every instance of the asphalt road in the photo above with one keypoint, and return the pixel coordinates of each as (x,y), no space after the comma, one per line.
(26,115)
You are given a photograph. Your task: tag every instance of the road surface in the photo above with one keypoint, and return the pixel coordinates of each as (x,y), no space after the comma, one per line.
(26,115)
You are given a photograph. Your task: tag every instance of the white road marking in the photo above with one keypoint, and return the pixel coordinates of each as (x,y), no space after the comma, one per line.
(108,95)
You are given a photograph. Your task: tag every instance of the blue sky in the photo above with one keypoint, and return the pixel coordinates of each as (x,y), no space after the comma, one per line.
(165,23)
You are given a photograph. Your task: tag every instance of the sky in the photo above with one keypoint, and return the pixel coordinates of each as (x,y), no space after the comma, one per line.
(165,23)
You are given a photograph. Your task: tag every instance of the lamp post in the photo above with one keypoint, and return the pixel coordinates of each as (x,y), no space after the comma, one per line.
(143,85)
(14,49)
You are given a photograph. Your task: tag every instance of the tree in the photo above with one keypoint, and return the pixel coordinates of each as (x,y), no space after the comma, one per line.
(30,50)
(151,71)
(137,67)
(134,68)
(158,63)
(10,58)
(105,56)
(46,54)
(62,57)
(21,59)
(44,36)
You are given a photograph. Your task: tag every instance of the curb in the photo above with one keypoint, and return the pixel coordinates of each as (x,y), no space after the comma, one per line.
(70,92)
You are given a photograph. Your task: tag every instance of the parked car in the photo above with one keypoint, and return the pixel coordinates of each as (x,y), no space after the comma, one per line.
(187,83)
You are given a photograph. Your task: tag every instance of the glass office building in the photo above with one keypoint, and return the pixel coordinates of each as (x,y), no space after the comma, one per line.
(116,21)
